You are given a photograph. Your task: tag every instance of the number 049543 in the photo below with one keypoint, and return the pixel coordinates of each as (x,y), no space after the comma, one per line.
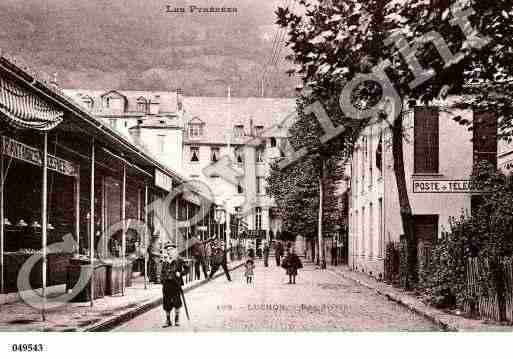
(27,347)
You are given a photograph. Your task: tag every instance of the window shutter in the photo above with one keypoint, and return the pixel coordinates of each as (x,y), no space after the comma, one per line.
(485,137)
(426,146)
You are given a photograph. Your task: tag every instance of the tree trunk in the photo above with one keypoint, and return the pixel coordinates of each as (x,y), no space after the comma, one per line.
(321,254)
(404,201)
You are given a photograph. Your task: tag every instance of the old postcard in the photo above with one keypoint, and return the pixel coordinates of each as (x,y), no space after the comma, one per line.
(255,166)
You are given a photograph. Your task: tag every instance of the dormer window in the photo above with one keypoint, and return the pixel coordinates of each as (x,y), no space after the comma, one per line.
(195,128)
(142,105)
(88,102)
(114,101)
(238,131)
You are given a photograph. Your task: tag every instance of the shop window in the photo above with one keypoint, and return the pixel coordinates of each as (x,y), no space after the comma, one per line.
(194,154)
(214,154)
(426,127)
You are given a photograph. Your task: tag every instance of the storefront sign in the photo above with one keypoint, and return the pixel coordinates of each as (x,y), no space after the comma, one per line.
(254,233)
(163,181)
(444,186)
(507,167)
(23,152)
(192,197)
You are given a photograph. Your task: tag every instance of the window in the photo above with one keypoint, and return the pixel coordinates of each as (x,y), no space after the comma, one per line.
(371,229)
(195,130)
(142,105)
(239,157)
(238,131)
(259,130)
(355,232)
(258,218)
(162,143)
(425,140)
(88,102)
(259,154)
(485,138)
(107,102)
(194,154)
(381,236)
(273,142)
(260,181)
(214,154)
(363,232)
(369,150)
(240,189)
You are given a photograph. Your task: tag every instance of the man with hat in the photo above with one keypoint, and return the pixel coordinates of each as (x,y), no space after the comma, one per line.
(218,258)
(173,268)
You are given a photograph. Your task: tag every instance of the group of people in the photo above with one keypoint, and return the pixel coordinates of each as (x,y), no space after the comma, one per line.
(291,262)
(174,268)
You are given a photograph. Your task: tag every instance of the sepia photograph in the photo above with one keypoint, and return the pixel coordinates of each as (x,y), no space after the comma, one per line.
(292,166)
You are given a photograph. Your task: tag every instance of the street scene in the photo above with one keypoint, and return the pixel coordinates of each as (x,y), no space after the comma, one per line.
(286,165)
(332,303)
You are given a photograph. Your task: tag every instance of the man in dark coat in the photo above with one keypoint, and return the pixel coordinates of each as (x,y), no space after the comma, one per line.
(199,255)
(173,268)
(278,252)
(333,256)
(219,259)
(266,255)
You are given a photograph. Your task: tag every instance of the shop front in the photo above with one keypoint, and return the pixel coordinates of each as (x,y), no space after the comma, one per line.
(64,175)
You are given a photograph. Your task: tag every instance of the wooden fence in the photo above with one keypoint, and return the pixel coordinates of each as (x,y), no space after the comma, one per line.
(489,295)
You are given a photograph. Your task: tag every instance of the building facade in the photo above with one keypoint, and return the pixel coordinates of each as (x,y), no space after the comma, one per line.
(439,155)
(226,143)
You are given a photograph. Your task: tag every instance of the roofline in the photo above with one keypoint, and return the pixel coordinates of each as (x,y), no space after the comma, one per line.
(64,101)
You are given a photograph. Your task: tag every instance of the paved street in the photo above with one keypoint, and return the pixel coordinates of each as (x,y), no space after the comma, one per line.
(319,301)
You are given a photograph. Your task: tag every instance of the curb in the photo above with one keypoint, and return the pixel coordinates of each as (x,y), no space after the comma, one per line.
(445,326)
(117,320)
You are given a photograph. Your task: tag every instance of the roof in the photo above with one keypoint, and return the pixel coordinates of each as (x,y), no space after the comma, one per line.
(167,100)
(221,114)
(88,121)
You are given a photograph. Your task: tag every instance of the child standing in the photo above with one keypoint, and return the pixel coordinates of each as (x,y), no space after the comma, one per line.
(291,264)
(249,272)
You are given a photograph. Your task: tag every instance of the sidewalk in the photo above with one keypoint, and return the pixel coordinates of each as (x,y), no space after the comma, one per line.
(106,313)
(444,320)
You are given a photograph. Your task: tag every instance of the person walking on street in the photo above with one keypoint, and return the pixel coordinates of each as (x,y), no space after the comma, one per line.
(173,268)
(278,252)
(199,255)
(291,263)
(219,259)
(333,256)
(249,271)
(266,255)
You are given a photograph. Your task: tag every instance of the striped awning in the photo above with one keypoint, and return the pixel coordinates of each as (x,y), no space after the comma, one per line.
(24,110)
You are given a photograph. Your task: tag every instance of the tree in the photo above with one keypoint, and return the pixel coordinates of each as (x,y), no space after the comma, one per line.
(333,41)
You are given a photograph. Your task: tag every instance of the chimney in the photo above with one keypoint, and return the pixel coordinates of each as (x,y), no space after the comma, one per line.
(179,99)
